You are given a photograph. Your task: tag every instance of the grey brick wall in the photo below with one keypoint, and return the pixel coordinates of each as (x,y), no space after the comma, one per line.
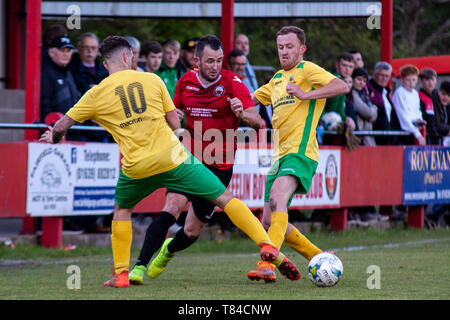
(12,110)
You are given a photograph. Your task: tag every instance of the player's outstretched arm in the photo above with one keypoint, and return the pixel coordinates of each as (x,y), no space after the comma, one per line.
(56,133)
(334,88)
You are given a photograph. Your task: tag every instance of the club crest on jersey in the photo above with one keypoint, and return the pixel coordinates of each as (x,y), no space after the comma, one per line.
(219,90)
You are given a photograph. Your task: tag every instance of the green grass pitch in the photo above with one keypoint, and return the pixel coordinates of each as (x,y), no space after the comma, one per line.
(413,264)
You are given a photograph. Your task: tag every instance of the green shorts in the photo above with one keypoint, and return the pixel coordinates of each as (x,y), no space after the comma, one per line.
(191,176)
(292,164)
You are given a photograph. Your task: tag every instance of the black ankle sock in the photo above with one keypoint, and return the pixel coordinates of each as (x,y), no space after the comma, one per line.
(155,236)
(180,242)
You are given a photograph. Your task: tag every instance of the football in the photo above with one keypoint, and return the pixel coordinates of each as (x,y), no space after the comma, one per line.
(325,269)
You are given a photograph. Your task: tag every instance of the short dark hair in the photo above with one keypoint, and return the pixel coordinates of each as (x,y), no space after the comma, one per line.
(293,29)
(445,87)
(209,40)
(360,72)
(235,53)
(152,46)
(111,44)
(346,57)
(427,73)
(354,51)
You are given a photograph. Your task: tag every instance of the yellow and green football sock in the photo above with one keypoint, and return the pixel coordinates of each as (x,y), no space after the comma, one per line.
(245,220)
(297,241)
(277,229)
(121,237)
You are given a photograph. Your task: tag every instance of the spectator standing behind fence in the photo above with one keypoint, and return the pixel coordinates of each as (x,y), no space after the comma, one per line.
(170,71)
(357,57)
(58,89)
(241,42)
(344,68)
(366,111)
(88,71)
(136,47)
(86,67)
(428,79)
(378,87)
(152,55)
(236,62)
(187,55)
(349,107)
(441,103)
(407,103)
(51,32)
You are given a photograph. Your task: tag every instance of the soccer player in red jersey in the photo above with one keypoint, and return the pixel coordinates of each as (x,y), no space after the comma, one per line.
(215,101)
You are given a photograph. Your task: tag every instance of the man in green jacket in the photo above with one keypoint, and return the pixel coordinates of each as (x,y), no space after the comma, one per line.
(171,69)
(344,68)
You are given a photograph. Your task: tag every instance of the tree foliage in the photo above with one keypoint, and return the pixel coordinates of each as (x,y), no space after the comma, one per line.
(421,27)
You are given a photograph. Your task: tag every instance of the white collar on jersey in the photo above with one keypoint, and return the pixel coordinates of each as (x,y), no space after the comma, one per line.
(206,86)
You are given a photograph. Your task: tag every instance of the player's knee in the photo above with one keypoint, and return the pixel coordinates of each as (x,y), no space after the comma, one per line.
(192,233)
(273,203)
(173,209)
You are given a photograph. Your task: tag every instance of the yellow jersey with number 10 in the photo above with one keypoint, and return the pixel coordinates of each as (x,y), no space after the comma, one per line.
(131,106)
(294,121)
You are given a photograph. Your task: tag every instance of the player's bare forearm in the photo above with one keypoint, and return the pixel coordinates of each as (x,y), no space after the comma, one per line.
(251,118)
(334,88)
(173,119)
(61,127)
(255,100)
(56,133)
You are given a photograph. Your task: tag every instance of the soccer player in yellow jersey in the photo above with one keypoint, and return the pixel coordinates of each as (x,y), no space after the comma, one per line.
(297,93)
(136,108)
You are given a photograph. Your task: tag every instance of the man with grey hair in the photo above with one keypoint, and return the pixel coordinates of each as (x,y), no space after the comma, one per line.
(379,92)
(85,66)
(136,47)
(88,71)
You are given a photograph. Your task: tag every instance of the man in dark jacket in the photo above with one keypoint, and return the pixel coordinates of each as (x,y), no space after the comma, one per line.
(85,66)
(58,89)
(88,71)
(379,92)
(441,102)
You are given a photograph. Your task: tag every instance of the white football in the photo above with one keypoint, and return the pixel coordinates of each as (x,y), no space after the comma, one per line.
(325,269)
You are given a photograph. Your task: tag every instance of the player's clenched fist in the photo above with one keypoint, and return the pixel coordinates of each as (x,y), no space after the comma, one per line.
(293,88)
(236,106)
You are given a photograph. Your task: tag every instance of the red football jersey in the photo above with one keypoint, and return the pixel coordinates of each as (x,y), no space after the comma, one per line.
(209,115)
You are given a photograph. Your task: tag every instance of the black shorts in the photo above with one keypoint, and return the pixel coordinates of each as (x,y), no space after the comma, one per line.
(203,208)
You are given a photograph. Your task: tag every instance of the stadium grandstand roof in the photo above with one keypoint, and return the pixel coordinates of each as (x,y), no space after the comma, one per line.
(212,8)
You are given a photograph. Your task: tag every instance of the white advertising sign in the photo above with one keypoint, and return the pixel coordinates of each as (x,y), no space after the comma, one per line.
(250,171)
(71,179)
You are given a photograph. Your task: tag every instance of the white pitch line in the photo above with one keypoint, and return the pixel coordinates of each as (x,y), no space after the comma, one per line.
(19,262)
(390,245)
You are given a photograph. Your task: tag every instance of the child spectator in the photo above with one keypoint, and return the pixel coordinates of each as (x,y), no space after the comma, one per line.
(171,69)
(428,79)
(366,111)
(152,54)
(407,103)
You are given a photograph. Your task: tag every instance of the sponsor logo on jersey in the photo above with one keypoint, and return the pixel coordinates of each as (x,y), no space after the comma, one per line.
(192,88)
